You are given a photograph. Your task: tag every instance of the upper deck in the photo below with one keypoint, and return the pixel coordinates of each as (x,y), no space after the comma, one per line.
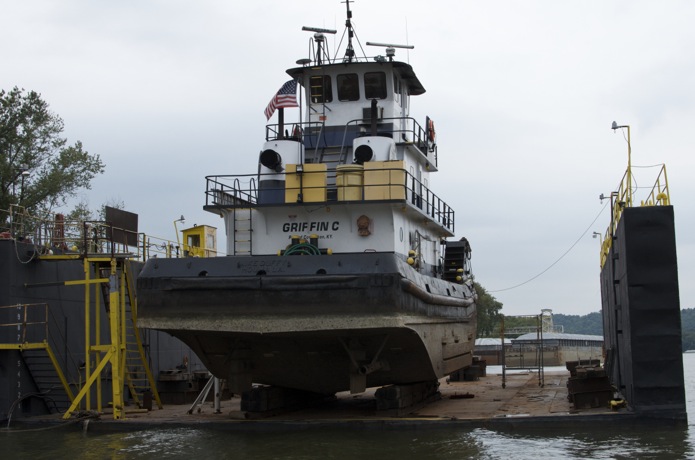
(374,182)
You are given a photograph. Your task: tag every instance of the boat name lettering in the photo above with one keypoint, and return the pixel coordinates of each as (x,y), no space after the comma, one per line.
(269,266)
(313,226)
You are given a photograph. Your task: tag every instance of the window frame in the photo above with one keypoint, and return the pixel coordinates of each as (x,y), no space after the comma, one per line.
(380,86)
(351,92)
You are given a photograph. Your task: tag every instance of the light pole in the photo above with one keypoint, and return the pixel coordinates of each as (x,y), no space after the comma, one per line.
(600,245)
(25,174)
(629,162)
(178,242)
(600,238)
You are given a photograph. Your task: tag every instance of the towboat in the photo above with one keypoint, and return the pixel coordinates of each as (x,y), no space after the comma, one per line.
(342,270)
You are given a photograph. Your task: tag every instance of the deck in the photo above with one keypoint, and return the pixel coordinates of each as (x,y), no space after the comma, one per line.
(481,403)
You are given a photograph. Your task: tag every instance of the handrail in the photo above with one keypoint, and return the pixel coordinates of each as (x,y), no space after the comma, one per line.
(221,195)
(622,198)
(659,194)
(25,340)
(56,238)
(412,132)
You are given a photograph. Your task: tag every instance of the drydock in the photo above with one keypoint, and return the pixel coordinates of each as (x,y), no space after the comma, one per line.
(521,404)
(388,311)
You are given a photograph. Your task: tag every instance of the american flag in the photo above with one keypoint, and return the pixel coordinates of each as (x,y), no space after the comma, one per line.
(285,97)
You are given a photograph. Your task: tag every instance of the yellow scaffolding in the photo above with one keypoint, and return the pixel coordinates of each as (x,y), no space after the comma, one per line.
(109,278)
(114,350)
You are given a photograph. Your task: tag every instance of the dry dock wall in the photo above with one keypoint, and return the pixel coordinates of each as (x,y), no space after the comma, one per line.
(641,312)
(27,280)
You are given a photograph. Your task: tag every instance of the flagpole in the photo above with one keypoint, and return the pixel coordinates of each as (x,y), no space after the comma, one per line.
(281,123)
(301,131)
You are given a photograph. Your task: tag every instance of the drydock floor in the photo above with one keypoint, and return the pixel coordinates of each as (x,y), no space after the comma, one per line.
(481,403)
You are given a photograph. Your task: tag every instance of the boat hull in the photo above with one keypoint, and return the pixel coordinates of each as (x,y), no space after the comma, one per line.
(318,323)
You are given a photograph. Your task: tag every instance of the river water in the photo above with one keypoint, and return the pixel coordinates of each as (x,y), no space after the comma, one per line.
(584,442)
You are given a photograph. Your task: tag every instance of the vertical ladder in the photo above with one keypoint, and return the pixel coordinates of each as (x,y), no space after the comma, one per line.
(332,156)
(243,231)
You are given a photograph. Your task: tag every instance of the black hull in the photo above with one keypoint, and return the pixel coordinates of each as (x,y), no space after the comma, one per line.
(319,323)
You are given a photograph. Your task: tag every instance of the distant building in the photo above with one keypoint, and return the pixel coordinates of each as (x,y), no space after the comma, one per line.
(490,349)
(557,348)
(525,350)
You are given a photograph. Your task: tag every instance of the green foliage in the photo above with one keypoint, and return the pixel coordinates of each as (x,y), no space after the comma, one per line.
(82,213)
(31,142)
(521,321)
(591,324)
(488,311)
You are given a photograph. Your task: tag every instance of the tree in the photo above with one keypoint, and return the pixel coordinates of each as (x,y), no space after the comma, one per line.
(38,169)
(488,309)
(81,211)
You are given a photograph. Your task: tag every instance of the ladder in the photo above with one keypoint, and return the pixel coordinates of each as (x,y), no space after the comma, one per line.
(46,373)
(138,375)
(31,326)
(243,231)
(117,274)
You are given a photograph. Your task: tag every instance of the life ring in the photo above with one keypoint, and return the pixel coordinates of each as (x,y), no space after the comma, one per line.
(297,132)
(431,133)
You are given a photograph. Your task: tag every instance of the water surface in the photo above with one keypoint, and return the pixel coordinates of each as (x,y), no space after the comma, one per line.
(656,442)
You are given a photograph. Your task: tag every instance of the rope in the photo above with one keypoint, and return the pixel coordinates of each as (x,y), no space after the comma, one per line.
(559,258)
(305,249)
(41,395)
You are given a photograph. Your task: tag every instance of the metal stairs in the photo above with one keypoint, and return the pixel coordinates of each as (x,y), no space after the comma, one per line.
(30,324)
(138,375)
(47,379)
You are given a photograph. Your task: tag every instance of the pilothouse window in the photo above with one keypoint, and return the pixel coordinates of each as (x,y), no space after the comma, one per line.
(375,85)
(348,87)
(321,89)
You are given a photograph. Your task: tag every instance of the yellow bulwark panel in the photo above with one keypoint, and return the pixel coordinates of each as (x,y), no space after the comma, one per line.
(348,181)
(200,241)
(384,180)
(306,186)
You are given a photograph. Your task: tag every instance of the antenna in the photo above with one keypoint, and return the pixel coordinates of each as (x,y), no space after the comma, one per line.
(320,39)
(390,45)
(349,50)
(319,30)
(390,48)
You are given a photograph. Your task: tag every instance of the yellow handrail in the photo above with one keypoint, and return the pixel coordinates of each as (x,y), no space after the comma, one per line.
(622,198)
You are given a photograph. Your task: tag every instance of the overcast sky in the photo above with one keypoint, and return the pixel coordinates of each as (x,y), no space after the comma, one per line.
(522,93)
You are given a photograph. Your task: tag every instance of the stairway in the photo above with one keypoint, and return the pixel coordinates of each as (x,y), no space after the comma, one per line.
(137,373)
(46,379)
